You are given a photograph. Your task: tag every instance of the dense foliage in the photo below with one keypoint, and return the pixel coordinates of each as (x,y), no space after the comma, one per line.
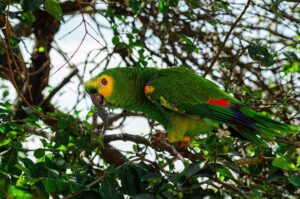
(251,48)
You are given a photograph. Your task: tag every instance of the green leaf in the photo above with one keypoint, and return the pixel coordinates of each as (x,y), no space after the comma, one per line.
(122,45)
(292,67)
(30,5)
(291,56)
(152,177)
(213,22)
(192,170)
(62,124)
(28,18)
(39,153)
(135,5)
(282,162)
(61,138)
(225,64)
(109,189)
(14,41)
(194,3)
(130,181)
(261,54)
(295,180)
(2,6)
(74,187)
(91,113)
(4,181)
(256,194)
(8,161)
(2,50)
(115,40)
(5,93)
(163,6)
(49,184)
(225,172)
(16,193)
(24,181)
(4,142)
(174,3)
(131,176)
(61,185)
(255,169)
(275,177)
(256,94)
(30,166)
(189,45)
(53,8)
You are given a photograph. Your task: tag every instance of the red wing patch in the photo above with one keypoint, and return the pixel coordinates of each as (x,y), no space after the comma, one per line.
(220,102)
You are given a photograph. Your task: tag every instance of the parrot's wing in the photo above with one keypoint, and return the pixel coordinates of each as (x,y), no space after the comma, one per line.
(184,92)
(180,89)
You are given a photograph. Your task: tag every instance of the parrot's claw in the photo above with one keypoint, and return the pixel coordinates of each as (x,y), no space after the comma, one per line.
(184,143)
(158,139)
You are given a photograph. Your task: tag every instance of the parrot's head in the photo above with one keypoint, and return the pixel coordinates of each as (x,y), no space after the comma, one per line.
(114,87)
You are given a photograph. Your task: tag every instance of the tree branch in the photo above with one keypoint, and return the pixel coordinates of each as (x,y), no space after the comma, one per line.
(164,145)
(126,137)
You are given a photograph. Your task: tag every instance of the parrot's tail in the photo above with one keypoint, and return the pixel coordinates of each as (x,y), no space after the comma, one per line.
(248,123)
(263,126)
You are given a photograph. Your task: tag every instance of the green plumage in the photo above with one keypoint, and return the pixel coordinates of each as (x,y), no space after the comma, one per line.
(185,103)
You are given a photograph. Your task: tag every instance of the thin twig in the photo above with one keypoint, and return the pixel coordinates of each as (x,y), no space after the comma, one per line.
(87,187)
(226,38)
(56,89)
(40,133)
(231,69)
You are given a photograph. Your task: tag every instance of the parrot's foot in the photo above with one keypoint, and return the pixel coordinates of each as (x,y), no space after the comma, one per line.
(158,140)
(184,143)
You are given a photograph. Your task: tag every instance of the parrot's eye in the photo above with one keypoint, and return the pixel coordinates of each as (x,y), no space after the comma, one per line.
(104,82)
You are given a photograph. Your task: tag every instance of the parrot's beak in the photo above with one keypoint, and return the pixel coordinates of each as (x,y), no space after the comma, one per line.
(98,100)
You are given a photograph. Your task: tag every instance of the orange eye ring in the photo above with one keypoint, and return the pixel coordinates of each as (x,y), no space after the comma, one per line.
(103,82)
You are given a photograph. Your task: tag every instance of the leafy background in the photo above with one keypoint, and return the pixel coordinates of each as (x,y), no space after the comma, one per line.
(52,147)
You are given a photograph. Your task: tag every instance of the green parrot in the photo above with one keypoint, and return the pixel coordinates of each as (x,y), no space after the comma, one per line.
(185,103)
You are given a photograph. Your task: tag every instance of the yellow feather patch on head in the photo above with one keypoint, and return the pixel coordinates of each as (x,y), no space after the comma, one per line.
(104,90)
